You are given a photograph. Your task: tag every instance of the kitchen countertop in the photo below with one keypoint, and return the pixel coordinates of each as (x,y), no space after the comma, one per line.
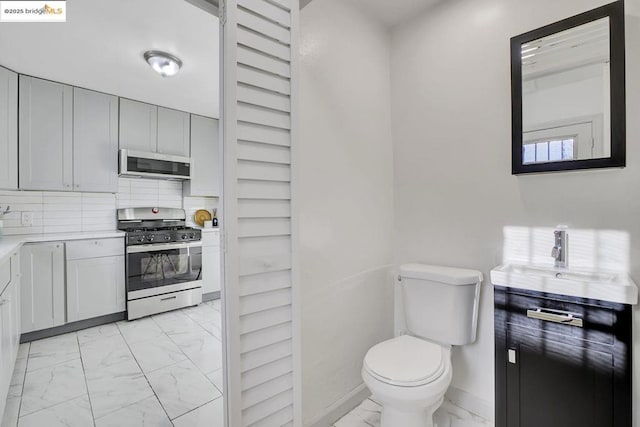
(9,244)
(208,229)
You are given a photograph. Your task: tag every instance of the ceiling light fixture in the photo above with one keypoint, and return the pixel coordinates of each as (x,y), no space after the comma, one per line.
(163,63)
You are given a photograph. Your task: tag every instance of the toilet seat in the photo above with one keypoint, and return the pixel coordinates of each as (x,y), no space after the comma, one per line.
(406,361)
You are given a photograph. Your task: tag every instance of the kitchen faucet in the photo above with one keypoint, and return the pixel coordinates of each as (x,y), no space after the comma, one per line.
(560,248)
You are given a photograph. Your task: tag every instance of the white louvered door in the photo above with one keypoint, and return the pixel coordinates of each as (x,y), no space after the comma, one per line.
(260,287)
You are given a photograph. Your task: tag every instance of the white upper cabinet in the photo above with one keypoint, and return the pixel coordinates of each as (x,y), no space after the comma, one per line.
(173,132)
(8,129)
(138,126)
(95,141)
(205,154)
(153,129)
(46,135)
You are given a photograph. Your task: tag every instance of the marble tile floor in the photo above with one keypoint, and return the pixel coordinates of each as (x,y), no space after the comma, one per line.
(449,415)
(160,371)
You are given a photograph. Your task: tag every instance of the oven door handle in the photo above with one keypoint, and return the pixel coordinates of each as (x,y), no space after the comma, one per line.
(155,247)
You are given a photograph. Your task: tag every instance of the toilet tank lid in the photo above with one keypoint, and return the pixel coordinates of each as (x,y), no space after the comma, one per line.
(437,273)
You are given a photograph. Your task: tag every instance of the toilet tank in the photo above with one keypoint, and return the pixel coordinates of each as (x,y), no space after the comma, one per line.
(441,303)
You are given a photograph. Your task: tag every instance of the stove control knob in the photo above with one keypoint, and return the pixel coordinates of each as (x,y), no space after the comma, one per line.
(151,237)
(167,238)
(184,236)
(140,239)
(192,236)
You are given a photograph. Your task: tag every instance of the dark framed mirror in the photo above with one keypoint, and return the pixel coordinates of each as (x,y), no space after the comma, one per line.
(568,93)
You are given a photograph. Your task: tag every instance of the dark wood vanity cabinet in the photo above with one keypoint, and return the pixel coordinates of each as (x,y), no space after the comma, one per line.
(561,361)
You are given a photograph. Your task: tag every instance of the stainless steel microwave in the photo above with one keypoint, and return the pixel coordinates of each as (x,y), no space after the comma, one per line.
(140,164)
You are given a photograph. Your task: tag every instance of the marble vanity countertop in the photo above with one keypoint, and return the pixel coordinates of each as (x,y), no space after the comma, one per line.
(9,244)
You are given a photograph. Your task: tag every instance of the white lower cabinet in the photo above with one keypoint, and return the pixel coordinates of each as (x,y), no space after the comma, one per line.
(211,278)
(95,287)
(65,282)
(42,286)
(9,324)
(95,278)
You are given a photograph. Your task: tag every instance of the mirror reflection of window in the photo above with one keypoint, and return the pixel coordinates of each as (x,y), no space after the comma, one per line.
(556,150)
(566,88)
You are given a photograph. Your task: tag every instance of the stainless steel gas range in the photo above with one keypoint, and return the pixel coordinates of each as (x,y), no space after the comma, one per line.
(164,260)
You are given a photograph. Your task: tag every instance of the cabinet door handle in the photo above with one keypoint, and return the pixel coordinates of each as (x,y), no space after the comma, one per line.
(168,298)
(556,316)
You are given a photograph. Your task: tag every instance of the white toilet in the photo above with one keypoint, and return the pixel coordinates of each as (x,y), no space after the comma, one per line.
(409,375)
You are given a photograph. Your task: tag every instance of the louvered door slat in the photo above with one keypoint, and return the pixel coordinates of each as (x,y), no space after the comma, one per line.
(256,59)
(263,98)
(265,80)
(264,264)
(261,392)
(269,372)
(252,132)
(263,44)
(281,418)
(257,303)
(254,189)
(267,407)
(268,10)
(263,116)
(253,208)
(265,319)
(259,217)
(257,23)
(265,355)
(252,285)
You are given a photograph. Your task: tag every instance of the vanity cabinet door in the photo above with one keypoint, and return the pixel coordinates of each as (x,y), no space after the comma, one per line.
(8,129)
(46,135)
(138,126)
(173,132)
(95,141)
(553,384)
(555,373)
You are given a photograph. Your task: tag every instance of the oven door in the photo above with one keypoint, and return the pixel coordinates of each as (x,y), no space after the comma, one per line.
(163,267)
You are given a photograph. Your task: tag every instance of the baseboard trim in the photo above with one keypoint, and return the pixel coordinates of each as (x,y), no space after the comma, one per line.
(340,408)
(211,296)
(471,403)
(72,327)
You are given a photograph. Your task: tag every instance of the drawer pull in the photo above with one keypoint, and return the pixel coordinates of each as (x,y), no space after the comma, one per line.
(168,298)
(556,316)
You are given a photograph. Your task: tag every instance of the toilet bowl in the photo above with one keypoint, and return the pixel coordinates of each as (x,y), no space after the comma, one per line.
(408,376)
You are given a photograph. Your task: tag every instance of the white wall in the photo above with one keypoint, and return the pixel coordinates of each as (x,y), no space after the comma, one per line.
(346,204)
(454,192)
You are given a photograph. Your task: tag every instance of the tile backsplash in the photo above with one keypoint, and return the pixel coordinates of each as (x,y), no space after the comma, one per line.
(57,212)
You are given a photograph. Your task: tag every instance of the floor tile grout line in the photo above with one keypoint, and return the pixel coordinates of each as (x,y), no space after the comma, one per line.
(24,379)
(145,378)
(191,360)
(86,383)
(195,409)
